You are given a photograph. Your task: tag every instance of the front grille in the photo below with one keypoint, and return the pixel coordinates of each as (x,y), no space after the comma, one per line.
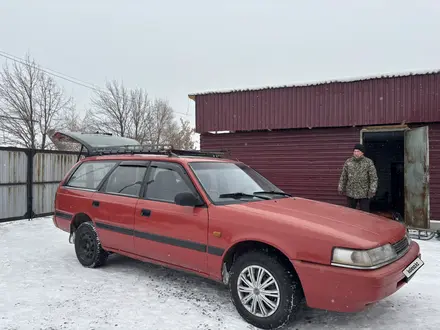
(401,246)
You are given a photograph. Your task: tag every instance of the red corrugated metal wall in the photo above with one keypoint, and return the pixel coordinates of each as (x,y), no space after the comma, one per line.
(368,102)
(308,163)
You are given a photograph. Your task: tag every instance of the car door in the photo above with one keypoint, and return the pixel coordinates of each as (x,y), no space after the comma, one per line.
(165,231)
(76,195)
(416,177)
(116,200)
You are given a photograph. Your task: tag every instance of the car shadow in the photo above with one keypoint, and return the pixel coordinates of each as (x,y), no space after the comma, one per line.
(207,295)
(203,292)
(117,261)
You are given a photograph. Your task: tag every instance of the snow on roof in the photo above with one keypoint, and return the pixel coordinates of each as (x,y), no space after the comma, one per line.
(322,82)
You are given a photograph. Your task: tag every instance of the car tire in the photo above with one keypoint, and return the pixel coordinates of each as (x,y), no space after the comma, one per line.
(88,248)
(279,311)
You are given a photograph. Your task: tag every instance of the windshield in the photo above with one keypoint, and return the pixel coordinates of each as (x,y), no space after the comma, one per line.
(234,182)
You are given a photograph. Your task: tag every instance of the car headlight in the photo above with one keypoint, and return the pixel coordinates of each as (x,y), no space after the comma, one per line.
(363,259)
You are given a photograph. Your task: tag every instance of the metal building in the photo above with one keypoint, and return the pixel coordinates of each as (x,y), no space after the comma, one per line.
(299,136)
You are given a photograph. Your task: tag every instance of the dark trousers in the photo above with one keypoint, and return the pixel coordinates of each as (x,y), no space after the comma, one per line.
(364,203)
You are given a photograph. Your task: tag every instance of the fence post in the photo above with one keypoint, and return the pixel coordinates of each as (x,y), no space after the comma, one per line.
(29,184)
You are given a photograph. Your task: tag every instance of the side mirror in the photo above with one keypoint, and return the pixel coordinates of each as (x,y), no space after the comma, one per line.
(187,199)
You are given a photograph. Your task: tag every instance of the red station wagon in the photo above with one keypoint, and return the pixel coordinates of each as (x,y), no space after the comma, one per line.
(221,219)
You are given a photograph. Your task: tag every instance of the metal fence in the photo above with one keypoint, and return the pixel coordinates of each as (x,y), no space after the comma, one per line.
(29,179)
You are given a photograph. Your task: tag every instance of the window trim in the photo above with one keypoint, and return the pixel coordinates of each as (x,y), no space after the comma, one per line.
(85,163)
(180,169)
(128,163)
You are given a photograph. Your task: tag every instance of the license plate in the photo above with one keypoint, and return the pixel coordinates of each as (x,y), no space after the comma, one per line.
(413,268)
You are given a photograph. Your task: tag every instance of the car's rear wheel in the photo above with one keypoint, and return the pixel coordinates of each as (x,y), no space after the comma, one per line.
(88,247)
(265,293)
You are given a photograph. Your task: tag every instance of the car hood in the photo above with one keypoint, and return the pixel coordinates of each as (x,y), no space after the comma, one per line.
(325,217)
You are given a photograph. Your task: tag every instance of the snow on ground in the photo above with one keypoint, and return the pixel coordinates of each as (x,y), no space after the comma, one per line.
(42,286)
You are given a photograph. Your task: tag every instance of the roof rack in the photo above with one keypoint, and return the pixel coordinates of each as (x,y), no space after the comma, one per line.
(127,149)
(152,149)
(102,143)
(199,153)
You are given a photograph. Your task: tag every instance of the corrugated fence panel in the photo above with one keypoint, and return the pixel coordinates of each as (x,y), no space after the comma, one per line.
(12,183)
(306,163)
(43,201)
(49,169)
(13,166)
(383,101)
(13,202)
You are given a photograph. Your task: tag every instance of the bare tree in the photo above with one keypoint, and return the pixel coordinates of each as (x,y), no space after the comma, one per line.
(17,107)
(30,104)
(51,105)
(131,113)
(181,137)
(163,118)
(141,117)
(73,121)
(112,109)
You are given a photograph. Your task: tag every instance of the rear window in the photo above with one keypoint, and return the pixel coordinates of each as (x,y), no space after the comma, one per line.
(90,174)
(126,180)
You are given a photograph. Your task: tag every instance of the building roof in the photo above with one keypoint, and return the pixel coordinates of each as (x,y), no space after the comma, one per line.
(321,82)
(409,98)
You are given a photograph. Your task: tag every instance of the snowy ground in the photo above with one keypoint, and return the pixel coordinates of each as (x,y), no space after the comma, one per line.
(42,286)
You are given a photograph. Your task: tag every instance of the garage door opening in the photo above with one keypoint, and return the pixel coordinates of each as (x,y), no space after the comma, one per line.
(387,150)
(401,156)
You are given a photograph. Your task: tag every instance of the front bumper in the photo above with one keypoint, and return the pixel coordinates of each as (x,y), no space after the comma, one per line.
(350,290)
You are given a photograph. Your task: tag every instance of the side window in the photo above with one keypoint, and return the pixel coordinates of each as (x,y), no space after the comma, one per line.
(164,183)
(126,180)
(90,174)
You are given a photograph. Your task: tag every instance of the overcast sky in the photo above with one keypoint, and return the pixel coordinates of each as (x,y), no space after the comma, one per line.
(173,48)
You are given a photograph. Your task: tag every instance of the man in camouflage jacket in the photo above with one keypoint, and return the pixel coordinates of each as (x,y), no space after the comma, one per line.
(358,179)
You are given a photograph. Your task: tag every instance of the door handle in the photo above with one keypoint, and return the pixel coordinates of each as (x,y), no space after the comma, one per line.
(145,213)
(95,203)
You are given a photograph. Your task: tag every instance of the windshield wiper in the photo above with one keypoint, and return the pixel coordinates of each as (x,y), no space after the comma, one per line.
(273,192)
(238,195)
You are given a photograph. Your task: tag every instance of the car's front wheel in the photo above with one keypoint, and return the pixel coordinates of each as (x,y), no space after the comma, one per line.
(265,293)
(88,247)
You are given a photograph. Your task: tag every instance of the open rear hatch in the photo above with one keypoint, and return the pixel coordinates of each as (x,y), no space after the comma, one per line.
(91,143)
